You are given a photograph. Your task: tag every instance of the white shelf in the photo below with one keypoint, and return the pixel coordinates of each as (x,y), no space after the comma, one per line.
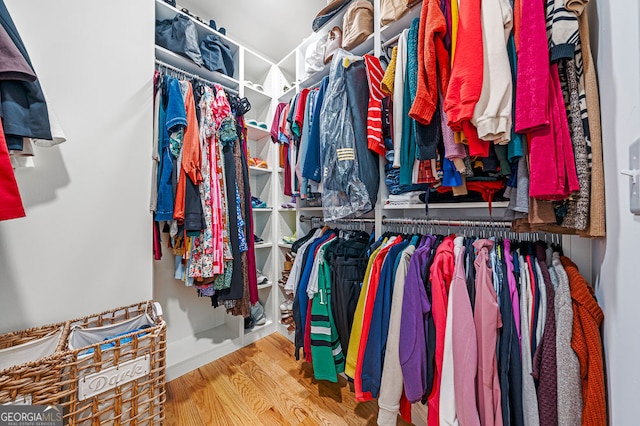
(366,47)
(286,96)
(404,206)
(259,171)
(394,28)
(257,133)
(258,332)
(166,11)
(284,245)
(191,67)
(291,335)
(280,169)
(287,66)
(258,96)
(263,245)
(363,48)
(268,284)
(432,206)
(263,209)
(315,77)
(311,209)
(201,348)
(256,67)
(282,209)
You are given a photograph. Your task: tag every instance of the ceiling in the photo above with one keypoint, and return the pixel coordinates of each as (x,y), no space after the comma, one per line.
(272,28)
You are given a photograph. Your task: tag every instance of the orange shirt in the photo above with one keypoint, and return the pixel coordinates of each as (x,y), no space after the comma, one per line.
(191,155)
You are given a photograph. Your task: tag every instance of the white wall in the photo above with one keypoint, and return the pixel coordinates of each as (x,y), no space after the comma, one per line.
(617,28)
(85,245)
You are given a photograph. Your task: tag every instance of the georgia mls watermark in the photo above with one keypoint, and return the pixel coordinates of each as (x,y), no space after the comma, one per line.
(31,415)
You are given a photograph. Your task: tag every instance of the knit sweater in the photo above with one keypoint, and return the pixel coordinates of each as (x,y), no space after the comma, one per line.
(433,61)
(390,74)
(569,381)
(587,343)
(545,367)
(590,84)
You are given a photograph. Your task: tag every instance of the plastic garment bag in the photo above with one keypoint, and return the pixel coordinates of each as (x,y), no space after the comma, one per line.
(344,194)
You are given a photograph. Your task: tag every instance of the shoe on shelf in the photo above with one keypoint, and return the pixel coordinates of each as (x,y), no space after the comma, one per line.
(262,278)
(290,205)
(257,239)
(249,323)
(289,240)
(257,314)
(286,306)
(257,203)
(287,266)
(257,87)
(258,162)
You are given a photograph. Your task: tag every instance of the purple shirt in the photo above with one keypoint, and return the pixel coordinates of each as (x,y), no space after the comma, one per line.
(513,290)
(414,326)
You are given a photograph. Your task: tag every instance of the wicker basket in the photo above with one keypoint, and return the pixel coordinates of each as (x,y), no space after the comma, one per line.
(120,381)
(37,382)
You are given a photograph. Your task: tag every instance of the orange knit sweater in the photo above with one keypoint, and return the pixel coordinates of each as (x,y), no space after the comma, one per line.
(586,342)
(433,62)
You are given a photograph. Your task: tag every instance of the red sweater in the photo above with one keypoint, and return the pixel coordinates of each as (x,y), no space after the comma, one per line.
(467,71)
(433,62)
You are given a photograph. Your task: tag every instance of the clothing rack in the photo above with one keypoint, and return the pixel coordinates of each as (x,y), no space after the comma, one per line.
(391,41)
(481,225)
(477,223)
(352,220)
(355,224)
(160,64)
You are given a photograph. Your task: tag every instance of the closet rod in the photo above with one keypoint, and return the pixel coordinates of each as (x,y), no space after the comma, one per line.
(446,222)
(194,76)
(352,220)
(391,41)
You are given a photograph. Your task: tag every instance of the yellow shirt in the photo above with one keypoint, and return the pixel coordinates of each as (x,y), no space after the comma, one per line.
(356,328)
(386,85)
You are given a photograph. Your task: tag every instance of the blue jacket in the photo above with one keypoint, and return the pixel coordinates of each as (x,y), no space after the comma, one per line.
(376,343)
(313,164)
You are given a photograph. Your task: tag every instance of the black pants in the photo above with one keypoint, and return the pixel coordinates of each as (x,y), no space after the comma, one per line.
(346,279)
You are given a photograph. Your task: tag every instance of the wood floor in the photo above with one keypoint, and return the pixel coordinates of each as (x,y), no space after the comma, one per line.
(263,384)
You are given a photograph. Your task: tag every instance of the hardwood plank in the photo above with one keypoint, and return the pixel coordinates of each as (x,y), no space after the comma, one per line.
(327,405)
(263,384)
(181,409)
(339,392)
(266,411)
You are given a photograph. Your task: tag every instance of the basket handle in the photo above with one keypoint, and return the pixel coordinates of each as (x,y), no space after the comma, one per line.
(156,308)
